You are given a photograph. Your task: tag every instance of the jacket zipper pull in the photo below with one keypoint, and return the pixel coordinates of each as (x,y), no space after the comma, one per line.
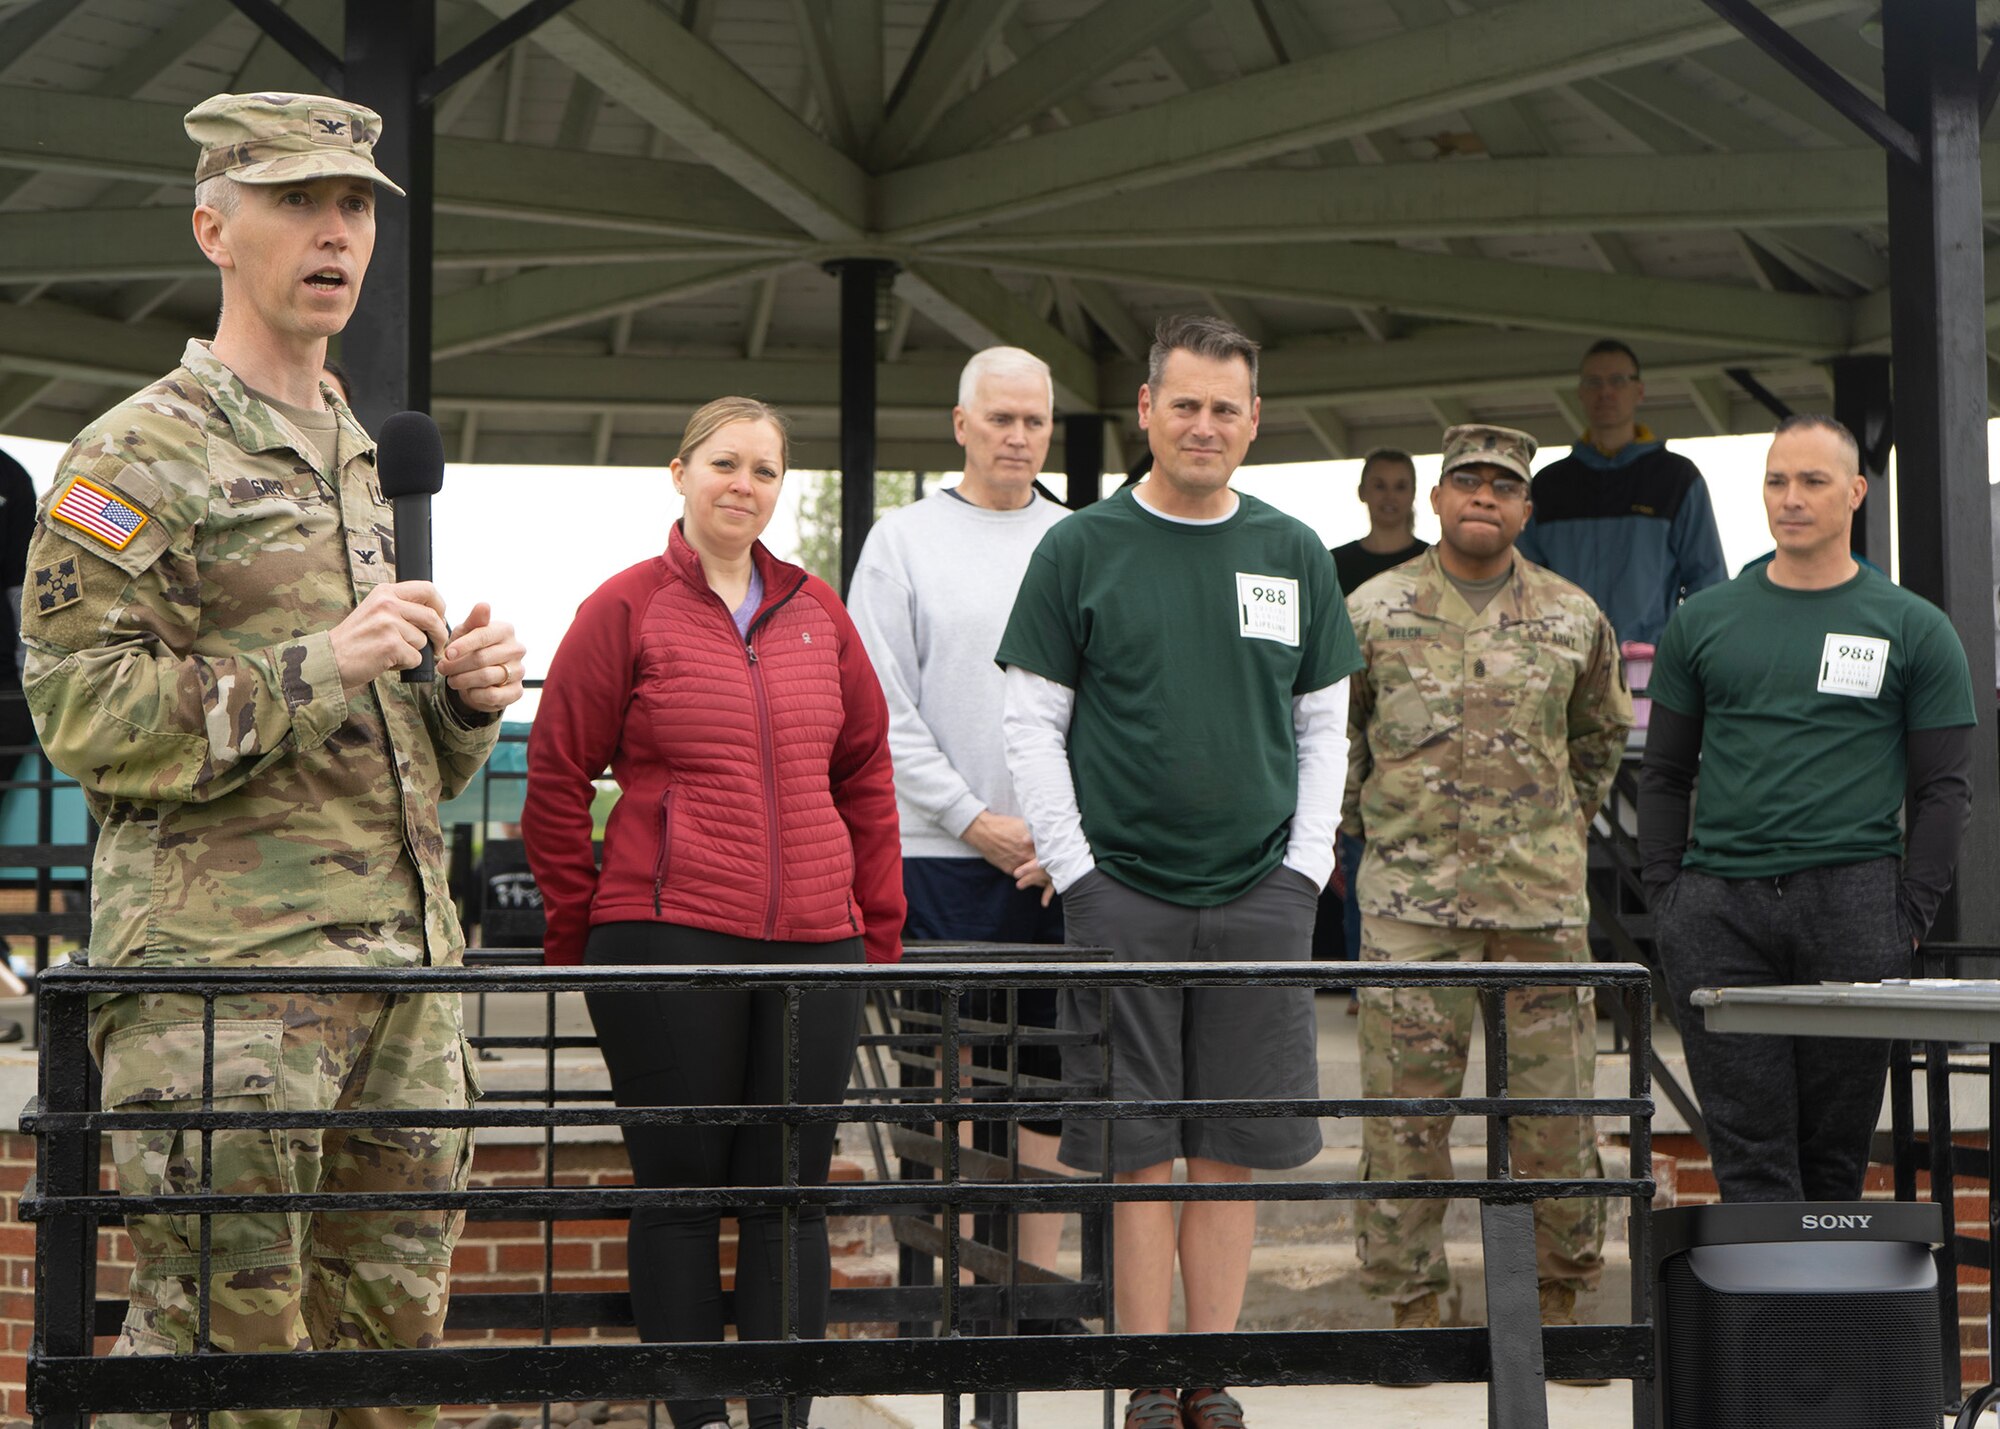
(752,649)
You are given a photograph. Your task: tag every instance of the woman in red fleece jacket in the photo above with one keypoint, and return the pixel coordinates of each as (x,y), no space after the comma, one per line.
(729,695)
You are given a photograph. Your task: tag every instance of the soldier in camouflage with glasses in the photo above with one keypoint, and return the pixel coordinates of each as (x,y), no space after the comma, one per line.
(1482,737)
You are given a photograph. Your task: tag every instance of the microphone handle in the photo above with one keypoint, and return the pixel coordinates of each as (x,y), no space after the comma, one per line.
(413,563)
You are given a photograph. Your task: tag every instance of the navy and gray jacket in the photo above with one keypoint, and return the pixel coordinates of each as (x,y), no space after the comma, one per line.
(1635,530)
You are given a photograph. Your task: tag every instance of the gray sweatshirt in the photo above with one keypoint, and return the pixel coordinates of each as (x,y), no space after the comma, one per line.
(931,596)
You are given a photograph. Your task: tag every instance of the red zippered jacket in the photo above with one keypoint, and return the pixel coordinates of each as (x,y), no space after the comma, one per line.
(755,774)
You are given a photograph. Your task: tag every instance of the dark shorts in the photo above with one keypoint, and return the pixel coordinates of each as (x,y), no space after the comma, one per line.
(1171,1044)
(968,900)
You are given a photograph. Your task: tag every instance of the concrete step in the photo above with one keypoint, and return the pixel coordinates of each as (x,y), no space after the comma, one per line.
(1303,1223)
(1340,1076)
(1318,1287)
(1310,1222)
(1300,1245)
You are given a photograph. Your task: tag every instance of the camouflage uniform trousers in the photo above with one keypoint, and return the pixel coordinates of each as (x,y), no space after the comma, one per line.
(1414,1043)
(285,1281)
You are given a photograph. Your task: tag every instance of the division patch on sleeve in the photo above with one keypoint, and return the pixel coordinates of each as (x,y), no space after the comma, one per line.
(99,513)
(57,585)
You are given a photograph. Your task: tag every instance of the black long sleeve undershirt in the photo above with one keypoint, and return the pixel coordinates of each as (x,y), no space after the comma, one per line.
(1934,818)
(1666,795)
(1938,807)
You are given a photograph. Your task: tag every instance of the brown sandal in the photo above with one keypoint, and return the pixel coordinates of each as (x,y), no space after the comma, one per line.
(1210,1409)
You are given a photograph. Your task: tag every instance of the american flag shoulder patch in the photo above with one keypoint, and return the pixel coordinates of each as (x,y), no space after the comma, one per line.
(99,514)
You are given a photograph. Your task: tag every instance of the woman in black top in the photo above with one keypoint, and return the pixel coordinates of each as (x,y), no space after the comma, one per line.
(1389,491)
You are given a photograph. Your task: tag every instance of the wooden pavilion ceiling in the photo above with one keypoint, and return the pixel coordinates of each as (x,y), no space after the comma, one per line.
(1424,208)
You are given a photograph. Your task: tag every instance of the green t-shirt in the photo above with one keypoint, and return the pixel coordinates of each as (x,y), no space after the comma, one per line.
(1805,698)
(1185,646)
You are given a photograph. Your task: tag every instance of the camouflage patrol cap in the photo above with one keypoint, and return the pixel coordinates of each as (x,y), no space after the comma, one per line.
(1476,442)
(282,138)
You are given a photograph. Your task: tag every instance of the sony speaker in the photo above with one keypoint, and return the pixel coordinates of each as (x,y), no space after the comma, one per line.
(1798,1315)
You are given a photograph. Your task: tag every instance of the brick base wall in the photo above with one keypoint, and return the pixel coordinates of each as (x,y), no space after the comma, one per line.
(1694,1185)
(17,1265)
(492,1256)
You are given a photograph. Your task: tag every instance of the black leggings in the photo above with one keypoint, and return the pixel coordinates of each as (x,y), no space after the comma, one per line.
(721,1049)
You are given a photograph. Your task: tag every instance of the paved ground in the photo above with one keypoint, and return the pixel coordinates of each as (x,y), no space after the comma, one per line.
(1291,1408)
(1444,1404)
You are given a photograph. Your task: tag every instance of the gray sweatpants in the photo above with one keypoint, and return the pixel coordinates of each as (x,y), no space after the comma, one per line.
(1789,1118)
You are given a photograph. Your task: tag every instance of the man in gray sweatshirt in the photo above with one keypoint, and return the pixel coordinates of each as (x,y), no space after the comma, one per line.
(930,596)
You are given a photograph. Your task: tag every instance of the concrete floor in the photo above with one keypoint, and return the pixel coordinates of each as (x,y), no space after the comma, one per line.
(1609,1407)
(1269,1408)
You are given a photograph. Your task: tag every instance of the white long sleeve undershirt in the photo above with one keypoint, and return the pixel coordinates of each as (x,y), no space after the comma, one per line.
(1035,719)
(1319,724)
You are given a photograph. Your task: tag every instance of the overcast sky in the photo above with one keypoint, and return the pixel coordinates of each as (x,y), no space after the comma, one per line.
(535,540)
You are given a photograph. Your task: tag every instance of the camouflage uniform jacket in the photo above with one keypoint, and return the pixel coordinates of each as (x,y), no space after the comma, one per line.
(1480,746)
(251,810)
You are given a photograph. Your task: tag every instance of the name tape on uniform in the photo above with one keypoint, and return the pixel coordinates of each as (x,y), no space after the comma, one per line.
(1267,608)
(99,514)
(1853,665)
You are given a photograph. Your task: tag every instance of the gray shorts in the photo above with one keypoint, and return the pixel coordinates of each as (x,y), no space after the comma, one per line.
(1172,1044)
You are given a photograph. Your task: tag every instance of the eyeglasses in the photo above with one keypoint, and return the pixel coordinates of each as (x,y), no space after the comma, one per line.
(1616,382)
(1505,488)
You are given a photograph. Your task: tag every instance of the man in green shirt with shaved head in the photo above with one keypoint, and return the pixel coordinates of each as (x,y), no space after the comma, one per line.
(1827,716)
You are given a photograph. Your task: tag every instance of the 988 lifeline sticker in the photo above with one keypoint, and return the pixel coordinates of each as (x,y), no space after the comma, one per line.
(1853,665)
(1267,608)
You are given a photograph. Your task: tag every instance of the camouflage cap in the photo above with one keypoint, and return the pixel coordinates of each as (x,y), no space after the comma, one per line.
(1476,442)
(282,138)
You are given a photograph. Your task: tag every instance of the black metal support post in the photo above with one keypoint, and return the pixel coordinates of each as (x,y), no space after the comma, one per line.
(861,281)
(1516,1394)
(1637,1004)
(1083,457)
(1937,1087)
(1938,326)
(1862,404)
(387,346)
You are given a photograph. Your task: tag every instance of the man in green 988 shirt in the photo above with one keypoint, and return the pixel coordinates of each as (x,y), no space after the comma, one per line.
(1817,702)
(1176,708)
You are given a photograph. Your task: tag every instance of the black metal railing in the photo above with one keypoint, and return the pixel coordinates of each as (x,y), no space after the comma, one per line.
(1513,1353)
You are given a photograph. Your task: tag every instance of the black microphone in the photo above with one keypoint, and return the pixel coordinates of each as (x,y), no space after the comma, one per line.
(409,461)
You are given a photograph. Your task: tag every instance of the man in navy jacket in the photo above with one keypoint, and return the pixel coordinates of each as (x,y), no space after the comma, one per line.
(1622,516)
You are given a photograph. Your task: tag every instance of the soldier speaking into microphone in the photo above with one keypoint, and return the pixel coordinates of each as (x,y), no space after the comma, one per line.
(215,633)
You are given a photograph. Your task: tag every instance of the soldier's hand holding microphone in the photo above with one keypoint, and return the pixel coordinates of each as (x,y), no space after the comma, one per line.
(399,625)
(398,622)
